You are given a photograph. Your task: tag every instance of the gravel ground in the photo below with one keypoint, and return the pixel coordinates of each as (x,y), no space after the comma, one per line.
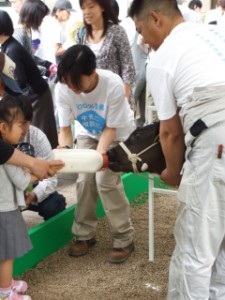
(91,277)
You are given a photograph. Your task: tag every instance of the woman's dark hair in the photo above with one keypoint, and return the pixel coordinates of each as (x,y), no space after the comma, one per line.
(9,109)
(115,6)
(109,15)
(6,24)
(32,13)
(25,105)
(77,60)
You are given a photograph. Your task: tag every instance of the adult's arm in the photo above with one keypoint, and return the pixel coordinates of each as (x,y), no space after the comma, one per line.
(65,137)
(172,141)
(6,151)
(40,168)
(127,88)
(106,139)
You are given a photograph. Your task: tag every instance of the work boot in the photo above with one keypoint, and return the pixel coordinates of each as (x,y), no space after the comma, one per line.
(119,255)
(79,248)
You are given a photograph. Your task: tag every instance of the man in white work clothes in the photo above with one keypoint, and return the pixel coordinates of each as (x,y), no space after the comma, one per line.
(186,75)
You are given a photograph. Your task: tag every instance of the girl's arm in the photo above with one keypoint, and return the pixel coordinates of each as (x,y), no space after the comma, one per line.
(17,176)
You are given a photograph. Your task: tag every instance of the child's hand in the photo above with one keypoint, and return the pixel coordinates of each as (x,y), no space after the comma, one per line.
(33,178)
(30,197)
(26,170)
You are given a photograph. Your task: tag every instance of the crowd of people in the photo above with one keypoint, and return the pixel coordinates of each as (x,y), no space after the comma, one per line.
(100,75)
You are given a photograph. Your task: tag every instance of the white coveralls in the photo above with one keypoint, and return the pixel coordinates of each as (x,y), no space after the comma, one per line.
(197,269)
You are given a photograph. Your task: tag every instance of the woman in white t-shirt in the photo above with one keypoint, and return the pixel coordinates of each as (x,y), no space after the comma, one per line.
(96,99)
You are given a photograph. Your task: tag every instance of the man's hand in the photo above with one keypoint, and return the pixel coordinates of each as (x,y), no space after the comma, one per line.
(172,142)
(170,179)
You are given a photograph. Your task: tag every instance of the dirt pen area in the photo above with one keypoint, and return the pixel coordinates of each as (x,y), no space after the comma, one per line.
(91,277)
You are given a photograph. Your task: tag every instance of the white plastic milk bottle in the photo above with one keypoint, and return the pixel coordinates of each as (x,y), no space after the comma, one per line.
(80,160)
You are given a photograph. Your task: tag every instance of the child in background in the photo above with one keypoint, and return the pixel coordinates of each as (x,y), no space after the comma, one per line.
(14,241)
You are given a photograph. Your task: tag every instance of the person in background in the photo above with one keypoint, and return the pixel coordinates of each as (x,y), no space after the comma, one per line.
(16,5)
(8,154)
(139,59)
(45,39)
(188,14)
(196,5)
(31,16)
(96,99)
(72,26)
(140,56)
(15,241)
(190,103)
(216,16)
(14,13)
(43,198)
(61,12)
(29,80)
(108,40)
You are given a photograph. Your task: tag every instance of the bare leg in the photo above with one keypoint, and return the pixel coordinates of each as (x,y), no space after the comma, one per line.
(6,269)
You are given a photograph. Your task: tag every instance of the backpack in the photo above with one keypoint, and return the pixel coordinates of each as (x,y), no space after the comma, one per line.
(81,32)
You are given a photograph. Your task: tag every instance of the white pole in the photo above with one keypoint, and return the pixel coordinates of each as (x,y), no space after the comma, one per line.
(151,217)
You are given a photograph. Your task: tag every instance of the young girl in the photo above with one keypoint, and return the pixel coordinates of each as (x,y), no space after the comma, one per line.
(14,241)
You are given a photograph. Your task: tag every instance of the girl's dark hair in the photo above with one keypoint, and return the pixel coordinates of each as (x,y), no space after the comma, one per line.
(6,24)
(109,16)
(77,60)
(32,13)
(25,105)
(9,109)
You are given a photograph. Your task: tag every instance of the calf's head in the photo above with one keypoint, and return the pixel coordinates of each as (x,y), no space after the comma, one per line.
(142,152)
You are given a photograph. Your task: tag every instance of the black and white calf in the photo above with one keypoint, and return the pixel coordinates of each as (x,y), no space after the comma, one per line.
(141,152)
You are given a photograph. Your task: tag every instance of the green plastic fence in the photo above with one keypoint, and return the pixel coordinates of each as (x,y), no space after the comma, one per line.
(55,233)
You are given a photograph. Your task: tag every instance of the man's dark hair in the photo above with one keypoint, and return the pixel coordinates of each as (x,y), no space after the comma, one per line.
(6,24)
(77,60)
(142,7)
(25,105)
(32,13)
